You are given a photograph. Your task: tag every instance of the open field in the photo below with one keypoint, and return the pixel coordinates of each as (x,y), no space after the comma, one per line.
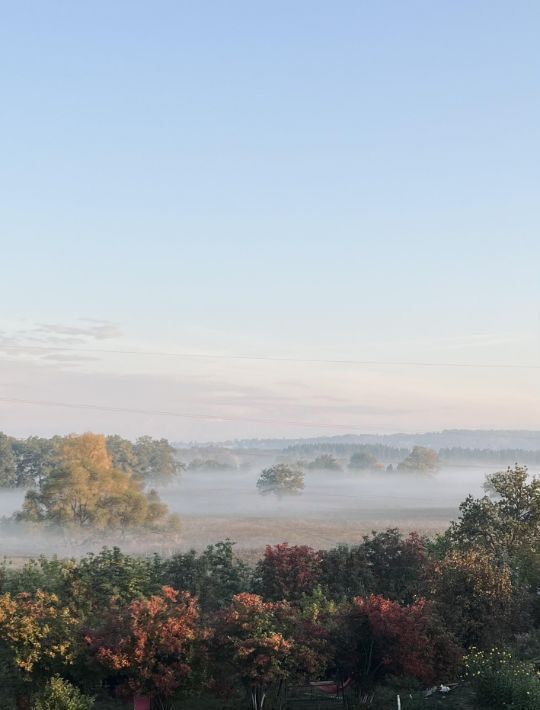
(255,533)
(334,507)
(251,534)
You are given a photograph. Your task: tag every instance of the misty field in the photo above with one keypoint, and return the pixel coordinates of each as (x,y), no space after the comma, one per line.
(334,507)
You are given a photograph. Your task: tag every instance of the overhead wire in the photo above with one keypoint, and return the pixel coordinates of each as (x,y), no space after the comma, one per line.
(271,358)
(166,413)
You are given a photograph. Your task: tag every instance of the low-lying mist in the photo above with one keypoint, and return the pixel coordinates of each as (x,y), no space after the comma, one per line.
(326,493)
(335,506)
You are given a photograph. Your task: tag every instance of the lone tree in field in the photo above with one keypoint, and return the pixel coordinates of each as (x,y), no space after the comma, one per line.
(281,480)
(420,459)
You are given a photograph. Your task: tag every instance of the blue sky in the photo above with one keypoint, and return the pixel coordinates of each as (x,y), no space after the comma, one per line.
(320,180)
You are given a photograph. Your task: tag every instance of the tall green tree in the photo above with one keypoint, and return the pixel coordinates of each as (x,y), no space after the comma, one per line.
(8,466)
(506,521)
(346,572)
(35,458)
(110,574)
(214,576)
(473,593)
(397,564)
(156,459)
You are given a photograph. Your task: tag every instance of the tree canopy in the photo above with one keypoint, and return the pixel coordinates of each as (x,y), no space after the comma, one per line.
(8,464)
(281,480)
(28,462)
(364,461)
(84,493)
(325,462)
(505,520)
(420,459)
(148,642)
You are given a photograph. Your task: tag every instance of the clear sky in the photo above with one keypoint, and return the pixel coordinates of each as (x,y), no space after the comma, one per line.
(307,180)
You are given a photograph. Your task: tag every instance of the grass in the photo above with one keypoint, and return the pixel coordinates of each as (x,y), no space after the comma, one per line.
(253,534)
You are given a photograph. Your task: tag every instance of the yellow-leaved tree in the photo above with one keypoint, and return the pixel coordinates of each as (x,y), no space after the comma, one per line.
(38,637)
(85,496)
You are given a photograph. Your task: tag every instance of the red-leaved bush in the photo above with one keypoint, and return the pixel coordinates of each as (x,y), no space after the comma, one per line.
(147,643)
(289,571)
(377,636)
(262,643)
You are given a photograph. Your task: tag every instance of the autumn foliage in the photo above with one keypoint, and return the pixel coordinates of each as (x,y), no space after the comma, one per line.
(84,496)
(148,643)
(474,595)
(38,636)
(376,636)
(86,449)
(289,571)
(263,643)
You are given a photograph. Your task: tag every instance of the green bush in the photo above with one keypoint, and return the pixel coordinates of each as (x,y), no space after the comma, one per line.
(526,646)
(61,695)
(501,682)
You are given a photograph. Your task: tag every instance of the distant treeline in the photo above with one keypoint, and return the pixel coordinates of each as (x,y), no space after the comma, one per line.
(448,438)
(388,454)
(505,457)
(208,458)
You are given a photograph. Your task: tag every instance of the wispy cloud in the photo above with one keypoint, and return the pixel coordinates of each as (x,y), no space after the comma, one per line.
(98,330)
(45,341)
(68,358)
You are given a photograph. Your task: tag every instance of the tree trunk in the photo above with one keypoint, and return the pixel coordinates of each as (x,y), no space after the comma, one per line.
(258,696)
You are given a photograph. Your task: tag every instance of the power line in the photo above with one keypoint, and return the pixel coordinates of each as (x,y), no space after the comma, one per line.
(269,358)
